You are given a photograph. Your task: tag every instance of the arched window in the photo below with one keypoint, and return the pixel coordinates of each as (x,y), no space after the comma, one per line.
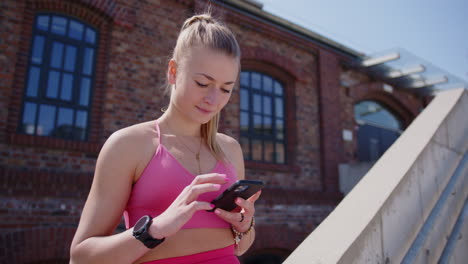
(60,78)
(378,129)
(262,118)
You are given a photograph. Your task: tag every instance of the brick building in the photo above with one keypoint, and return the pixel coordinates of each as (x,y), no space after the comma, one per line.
(73,72)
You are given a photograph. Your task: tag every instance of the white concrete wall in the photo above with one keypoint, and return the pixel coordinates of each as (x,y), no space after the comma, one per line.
(380,220)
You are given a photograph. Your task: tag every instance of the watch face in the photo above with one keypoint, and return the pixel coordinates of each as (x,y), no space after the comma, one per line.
(140,224)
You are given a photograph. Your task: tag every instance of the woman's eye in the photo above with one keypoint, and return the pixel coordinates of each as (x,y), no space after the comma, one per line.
(225,91)
(201,84)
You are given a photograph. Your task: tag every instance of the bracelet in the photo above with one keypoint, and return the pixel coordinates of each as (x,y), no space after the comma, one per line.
(238,235)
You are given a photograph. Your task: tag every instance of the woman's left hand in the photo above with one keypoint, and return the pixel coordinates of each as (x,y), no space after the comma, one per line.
(240,219)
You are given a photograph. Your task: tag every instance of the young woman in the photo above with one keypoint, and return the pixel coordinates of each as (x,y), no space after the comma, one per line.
(163,174)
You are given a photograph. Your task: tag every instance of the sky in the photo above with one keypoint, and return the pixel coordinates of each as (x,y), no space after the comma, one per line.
(434,30)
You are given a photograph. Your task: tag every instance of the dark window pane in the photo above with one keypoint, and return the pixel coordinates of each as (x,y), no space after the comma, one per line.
(46,120)
(57,53)
(84,91)
(267,126)
(33,81)
(244,122)
(256,80)
(278,88)
(38,49)
(67,87)
(76,30)
(279,107)
(29,118)
(244,98)
(244,142)
(244,79)
(269,151)
(43,23)
(88,61)
(90,36)
(267,105)
(81,124)
(70,57)
(257,103)
(257,123)
(256,150)
(267,84)
(59,25)
(53,84)
(280,157)
(64,127)
(279,129)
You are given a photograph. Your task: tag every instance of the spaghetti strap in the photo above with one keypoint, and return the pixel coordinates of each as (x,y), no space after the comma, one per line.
(159,133)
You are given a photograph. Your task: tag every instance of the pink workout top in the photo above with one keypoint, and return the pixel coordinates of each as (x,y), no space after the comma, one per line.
(162,181)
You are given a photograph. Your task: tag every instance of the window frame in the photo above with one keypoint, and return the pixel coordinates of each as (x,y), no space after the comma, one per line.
(45,69)
(261,136)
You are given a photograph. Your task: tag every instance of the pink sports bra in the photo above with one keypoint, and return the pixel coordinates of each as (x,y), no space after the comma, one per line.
(162,181)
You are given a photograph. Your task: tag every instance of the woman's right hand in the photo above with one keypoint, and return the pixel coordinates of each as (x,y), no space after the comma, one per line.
(186,204)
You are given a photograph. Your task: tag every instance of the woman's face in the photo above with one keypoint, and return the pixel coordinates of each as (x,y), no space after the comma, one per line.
(204,82)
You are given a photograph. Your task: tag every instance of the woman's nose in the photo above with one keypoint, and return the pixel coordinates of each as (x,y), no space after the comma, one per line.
(210,96)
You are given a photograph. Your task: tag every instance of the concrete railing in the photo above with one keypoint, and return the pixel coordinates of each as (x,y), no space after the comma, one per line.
(405,208)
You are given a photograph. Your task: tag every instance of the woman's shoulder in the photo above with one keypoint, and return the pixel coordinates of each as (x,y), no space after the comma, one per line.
(231,149)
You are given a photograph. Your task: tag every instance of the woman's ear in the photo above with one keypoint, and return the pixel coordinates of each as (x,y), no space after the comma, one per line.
(172,71)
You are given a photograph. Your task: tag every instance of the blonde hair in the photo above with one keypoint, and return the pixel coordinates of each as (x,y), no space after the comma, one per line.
(205,31)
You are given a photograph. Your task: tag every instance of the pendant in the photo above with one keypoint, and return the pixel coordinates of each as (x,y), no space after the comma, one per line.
(197,156)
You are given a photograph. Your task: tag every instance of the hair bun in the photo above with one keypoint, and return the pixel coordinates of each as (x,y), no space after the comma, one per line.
(207,18)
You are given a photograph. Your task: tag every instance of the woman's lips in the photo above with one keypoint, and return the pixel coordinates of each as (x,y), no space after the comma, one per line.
(204,111)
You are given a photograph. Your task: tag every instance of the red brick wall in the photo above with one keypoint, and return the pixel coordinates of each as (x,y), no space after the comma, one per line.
(44,181)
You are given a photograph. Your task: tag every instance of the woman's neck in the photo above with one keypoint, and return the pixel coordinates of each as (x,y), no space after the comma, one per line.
(179,125)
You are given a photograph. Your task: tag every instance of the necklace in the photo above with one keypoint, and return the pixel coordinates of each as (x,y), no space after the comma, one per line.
(197,154)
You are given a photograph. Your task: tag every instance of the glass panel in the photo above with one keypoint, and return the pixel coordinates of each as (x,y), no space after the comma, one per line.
(244,142)
(46,120)
(59,25)
(76,30)
(81,124)
(256,80)
(267,105)
(257,103)
(374,113)
(67,87)
(244,79)
(88,61)
(90,36)
(33,81)
(38,49)
(267,126)
(64,127)
(29,118)
(244,121)
(52,84)
(256,150)
(267,84)
(269,152)
(244,98)
(57,53)
(84,91)
(280,157)
(43,23)
(279,107)
(278,88)
(279,129)
(257,123)
(70,57)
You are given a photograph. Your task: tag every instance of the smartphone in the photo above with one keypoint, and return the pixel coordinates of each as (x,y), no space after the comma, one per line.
(241,188)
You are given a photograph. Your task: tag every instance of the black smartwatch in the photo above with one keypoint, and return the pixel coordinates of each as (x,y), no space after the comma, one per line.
(141,232)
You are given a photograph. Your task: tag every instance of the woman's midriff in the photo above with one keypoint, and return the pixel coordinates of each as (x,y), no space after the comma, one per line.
(190,241)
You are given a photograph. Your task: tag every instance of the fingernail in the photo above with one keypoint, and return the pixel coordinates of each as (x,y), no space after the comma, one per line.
(212,205)
(216,186)
(238,200)
(217,212)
